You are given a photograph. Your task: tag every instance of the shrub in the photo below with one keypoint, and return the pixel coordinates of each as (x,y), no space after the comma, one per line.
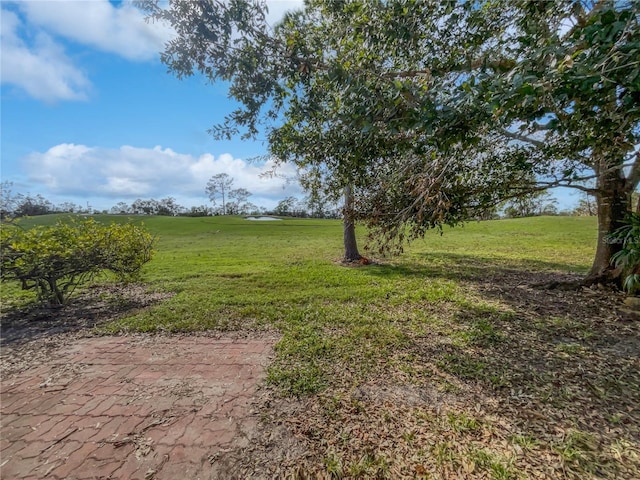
(54,260)
(628,258)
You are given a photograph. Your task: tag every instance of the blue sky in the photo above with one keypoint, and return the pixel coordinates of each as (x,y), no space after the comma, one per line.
(89,114)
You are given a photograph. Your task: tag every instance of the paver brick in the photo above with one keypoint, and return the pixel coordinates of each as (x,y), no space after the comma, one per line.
(52,430)
(50,402)
(10,418)
(85,434)
(97,469)
(85,386)
(32,449)
(106,389)
(75,461)
(131,425)
(12,448)
(64,408)
(16,433)
(131,469)
(109,430)
(118,408)
(104,406)
(17,469)
(91,423)
(11,401)
(89,406)
(211,436)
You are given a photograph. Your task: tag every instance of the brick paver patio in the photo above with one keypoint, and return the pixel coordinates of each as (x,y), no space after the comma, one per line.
(131,408)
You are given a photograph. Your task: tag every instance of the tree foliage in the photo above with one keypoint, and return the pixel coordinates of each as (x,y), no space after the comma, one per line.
(165,206)
(285,206)
(432,111)
(239,204)
(54,260)
(627,259)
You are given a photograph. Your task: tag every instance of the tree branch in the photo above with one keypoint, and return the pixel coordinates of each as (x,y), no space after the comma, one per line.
(522,138)
(407,74)
(634,175)
(559,183)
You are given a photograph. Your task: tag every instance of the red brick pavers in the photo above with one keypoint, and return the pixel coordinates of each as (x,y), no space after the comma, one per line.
(131,408)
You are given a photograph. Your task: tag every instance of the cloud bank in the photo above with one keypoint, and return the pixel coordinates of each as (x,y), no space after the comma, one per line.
(127,173)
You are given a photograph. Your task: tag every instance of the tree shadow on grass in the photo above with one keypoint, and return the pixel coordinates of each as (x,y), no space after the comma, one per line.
(455,266)
(95,306)
(562,365)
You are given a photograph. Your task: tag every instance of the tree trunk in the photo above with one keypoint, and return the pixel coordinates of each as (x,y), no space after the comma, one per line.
(351,253)
(613,203)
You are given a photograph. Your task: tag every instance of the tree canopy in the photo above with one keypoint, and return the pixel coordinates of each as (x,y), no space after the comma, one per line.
(432,111)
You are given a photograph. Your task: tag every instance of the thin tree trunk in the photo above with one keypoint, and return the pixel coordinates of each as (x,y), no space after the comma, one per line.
(613,203)
(351,253)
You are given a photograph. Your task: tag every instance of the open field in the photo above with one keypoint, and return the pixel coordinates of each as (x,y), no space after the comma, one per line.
(450,361)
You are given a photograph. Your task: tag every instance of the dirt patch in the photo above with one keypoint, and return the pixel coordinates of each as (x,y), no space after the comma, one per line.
(30,336)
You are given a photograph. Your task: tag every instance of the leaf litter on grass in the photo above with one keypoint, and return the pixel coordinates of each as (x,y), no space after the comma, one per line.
(517,382)
(448,364)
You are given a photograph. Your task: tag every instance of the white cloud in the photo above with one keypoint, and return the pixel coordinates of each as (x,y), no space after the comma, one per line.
(129,172)
(34,59)
(121,30)
(277,9)
(41,69)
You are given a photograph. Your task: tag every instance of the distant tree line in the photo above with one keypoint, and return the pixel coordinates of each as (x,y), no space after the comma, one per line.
(538,204)
(13,205)
(236,203)
(165,206)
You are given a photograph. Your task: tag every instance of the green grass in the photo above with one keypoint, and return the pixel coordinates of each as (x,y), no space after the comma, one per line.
(562,243)
(228,273)
(428,319)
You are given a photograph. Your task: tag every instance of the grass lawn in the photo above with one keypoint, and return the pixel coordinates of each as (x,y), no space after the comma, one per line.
(450,361)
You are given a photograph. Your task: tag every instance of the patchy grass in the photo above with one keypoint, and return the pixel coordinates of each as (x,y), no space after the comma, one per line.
(447,362)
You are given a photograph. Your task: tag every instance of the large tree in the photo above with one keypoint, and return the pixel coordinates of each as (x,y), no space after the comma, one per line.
(219,185)
(431,112)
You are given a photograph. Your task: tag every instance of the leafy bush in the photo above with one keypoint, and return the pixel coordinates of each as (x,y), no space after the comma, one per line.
(628,259)
(54,260)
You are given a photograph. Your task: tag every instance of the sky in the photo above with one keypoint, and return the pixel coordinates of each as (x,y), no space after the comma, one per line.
(89,114)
